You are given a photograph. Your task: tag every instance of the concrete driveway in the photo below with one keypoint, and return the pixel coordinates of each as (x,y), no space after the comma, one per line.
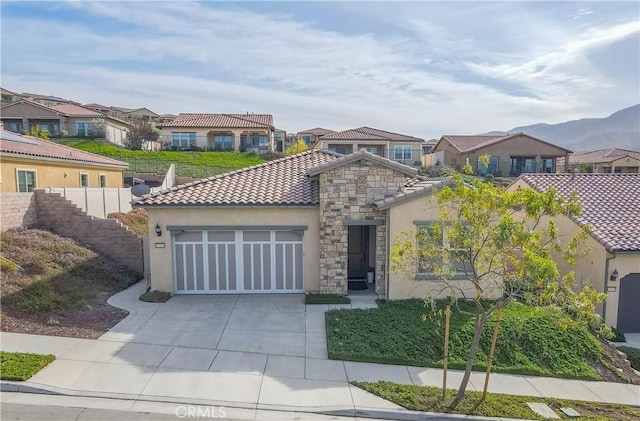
(276,324)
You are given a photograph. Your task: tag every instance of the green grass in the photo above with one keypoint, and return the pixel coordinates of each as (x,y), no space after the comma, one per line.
(18,366)
(188,163)
(429,399)
(633,355)
(155,297)
(326,299)
(136,220)
(530,341)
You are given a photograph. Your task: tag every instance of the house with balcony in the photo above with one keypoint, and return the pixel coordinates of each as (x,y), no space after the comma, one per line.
(612,160)
(223,132)
(397,147)
(509,155)
(68,119)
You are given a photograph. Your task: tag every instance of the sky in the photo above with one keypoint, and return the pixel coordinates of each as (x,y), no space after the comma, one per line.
(419,68)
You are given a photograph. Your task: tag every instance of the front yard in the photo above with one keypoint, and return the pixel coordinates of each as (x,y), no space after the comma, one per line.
(18,366)
(531,341)
(53,286)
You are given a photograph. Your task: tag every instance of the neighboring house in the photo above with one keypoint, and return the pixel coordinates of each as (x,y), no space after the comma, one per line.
(429,158)
(509,155)
(8,96)
(603,161)
(29,163)
(397,147)
(311,136)
(166,118)
(141,114)
(46,100)
(75,120)
(279,139)
(233,132)
(304,223)
(611,207)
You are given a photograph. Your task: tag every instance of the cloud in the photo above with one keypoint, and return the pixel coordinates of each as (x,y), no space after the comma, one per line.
(419,74)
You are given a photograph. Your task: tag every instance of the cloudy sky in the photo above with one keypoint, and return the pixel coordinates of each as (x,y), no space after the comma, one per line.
(420,68)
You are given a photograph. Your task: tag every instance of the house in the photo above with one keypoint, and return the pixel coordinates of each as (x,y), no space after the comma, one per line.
(141,114)
(63,119)
(309,222)
(311,136)
(8,96)
(46,100)
(398,147)
(166,118)
(612,160)
(428,157)
(29,163)
(237,132)
(611,207)
(509,155)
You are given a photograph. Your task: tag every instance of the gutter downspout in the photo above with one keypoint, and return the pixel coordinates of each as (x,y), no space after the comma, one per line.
(606,285)
(388,254)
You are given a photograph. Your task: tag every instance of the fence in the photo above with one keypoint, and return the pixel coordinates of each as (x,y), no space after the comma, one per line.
(98,202)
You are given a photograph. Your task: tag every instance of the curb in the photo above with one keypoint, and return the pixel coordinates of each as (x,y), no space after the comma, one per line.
(405,415)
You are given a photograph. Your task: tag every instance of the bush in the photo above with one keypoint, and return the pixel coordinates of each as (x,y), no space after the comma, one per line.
(37,298)
(436,171)
(64,133)
(155,297)
(17,366)
(326,299)
(633,355)
(618,336)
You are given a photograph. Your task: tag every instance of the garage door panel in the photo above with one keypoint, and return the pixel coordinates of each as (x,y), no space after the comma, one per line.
(239,261)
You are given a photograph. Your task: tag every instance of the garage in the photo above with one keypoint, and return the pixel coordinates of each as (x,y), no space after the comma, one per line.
(236,261)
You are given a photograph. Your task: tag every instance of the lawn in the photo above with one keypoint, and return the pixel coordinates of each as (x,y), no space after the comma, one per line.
(51,285)
(18,366)
(429,399)
(531,341)
(188,163)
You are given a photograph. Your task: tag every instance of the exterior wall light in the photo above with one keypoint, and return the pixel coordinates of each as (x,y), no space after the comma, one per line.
(158,230)
(614,275)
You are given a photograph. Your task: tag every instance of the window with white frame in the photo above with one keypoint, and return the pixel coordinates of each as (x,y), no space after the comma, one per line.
(26,181)
(373,149)
(459,258)
(183,139)
(223,141)
(103,180)
(84,128)
(402,152)
(84,179)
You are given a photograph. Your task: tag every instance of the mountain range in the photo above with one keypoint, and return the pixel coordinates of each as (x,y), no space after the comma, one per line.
(621,130)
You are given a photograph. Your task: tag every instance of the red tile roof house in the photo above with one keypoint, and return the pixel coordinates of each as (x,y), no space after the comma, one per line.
(395,146)
(613,160)
(77,121)
(611,206)
(509,155)
(234,132)
(305,223)
(311,136)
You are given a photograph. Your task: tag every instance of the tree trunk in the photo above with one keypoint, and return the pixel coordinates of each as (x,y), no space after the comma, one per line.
(481,320)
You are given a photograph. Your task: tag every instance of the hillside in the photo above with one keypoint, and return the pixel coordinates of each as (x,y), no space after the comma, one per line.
(621,129)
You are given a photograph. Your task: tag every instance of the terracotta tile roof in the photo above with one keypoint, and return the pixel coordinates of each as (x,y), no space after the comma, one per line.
(72,110)
(14,144)
(367,133)
(359,155)
(610,204)
(601,155)
(413,189)
(280,182)
(222,120)
(467,144)
(317,131)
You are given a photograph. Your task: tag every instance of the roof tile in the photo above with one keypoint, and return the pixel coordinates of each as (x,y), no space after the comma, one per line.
(222,120)
(368,133)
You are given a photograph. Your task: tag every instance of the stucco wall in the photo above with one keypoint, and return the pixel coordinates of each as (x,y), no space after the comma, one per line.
(166,134)
(162,258)
(17,209)
(401,286)
(56,174)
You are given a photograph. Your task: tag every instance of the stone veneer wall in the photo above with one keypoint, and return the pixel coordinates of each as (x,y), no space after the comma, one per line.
(17,210)
(339,202)
(106,236)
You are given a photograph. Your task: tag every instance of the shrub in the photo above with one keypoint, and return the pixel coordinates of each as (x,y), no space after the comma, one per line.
(618,336)
(633,355)
(17,366)
(64,133)
(326,299)
(7,265)
(37,298)
(155,297)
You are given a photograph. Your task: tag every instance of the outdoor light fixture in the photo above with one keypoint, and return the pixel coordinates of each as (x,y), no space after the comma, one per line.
(614,275)
(158,230)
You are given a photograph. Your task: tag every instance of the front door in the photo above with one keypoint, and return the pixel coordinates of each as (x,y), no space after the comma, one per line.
(628,310)
(358,251)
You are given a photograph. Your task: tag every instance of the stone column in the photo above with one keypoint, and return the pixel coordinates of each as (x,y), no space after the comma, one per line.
(236,139)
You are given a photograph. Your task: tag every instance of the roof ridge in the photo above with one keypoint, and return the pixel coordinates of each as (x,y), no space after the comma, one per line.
(241,117)
(387,131)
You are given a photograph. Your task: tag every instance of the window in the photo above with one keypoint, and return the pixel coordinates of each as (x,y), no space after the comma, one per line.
(223,141)
(183,139)
(339,149)
(427,149)
(402,152)
(373,149)
(306,138)
(84,180)
(26,181)
(493,166)
(547,165)
(14,127)
(459,258)
(103,180)
(257,141)
(521,165)
(84,128)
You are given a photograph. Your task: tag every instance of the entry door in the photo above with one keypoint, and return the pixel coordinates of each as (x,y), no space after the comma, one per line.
(358,251)
(628,309)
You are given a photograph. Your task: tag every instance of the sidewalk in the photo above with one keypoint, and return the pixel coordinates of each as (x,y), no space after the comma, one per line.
(116,367)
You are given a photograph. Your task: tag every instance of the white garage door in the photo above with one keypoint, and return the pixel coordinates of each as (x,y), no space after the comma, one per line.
(240,261)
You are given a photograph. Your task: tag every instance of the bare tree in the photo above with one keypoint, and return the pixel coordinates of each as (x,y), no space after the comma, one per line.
(141,131)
